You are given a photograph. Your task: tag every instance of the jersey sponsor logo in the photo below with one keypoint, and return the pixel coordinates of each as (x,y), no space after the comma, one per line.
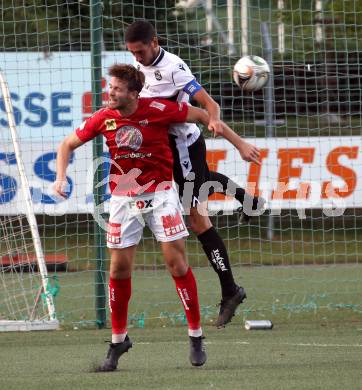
(181,66)
(141,204)
(110,124)
(173,224)
(158,75)
(129,137)
(114,233)
(144,122)
(158,105)
(218,260)
(132,155)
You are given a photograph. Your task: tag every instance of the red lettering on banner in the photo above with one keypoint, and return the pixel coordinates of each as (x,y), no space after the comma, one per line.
(172,224)
(254,174)
(287,171)
(347,174)
(114,233)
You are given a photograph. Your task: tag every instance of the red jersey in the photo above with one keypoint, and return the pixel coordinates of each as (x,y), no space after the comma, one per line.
(138,144)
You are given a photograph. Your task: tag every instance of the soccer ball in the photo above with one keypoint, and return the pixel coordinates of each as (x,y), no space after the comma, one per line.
(251,73)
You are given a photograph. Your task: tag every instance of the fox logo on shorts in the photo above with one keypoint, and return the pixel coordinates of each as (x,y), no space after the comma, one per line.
(114,233)
(173,224)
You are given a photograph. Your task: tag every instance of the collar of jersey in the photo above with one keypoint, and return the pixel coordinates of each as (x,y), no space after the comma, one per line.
(159,57)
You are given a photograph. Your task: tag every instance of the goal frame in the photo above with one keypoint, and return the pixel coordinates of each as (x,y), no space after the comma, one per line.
(52,322)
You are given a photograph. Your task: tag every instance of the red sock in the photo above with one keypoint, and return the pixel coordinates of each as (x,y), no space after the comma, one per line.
(119,296)
(187,290)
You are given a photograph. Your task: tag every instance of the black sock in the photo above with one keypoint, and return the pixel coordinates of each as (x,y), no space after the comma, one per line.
(215,250)
(240,194)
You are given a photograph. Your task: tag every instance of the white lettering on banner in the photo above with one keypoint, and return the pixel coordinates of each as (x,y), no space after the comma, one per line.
(297,173)
(51,95)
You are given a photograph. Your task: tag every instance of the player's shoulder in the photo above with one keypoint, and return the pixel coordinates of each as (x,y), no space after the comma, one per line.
(175,62)
(103,112)
(154,105)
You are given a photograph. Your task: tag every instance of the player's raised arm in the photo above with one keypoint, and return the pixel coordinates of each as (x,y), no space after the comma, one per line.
(65,149)
(213,109)
(247,151)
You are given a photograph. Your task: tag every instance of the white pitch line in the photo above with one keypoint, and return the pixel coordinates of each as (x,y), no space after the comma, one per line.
(323,345)
(248,343)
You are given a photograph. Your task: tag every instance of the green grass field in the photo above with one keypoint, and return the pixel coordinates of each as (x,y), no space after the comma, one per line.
(287,357)
(285,295)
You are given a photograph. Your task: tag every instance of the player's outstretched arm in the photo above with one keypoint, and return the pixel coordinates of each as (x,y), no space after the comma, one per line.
(65,149)
(197,115)
(248,152)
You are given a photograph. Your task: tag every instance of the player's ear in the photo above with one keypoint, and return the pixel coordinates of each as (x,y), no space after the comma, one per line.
(135,95)
(154,42)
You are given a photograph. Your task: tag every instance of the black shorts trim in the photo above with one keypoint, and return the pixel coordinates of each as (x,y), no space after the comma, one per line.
(194,161)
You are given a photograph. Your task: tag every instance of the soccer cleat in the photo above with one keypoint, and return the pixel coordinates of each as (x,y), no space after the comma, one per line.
(228,307)
(197,351)
(115,351)
(257,208)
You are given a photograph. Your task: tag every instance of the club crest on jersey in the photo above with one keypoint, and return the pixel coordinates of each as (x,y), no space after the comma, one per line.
(110,124)
(158,75)
(129,137)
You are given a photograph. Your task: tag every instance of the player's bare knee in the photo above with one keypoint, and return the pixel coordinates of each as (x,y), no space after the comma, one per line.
(177,267)
(175,257)
(121,265)
(199,223)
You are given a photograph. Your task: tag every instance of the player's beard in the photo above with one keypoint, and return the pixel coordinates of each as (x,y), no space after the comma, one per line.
(116,104)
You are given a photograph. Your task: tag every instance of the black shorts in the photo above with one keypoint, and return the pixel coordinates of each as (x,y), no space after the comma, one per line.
(190,171)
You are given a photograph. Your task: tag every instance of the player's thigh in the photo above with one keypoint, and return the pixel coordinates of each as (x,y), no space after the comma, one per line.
(165,220)
(125,227)
(190,171)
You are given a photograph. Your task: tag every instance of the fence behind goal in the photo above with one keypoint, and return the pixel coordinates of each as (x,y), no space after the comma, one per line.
(302,262)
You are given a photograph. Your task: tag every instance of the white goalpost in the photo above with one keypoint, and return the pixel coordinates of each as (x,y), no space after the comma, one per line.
(26,302)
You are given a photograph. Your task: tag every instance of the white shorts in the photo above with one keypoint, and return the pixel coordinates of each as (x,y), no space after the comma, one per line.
(161,211)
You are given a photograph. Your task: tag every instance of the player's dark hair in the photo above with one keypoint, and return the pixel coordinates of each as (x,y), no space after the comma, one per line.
(140,31)
(129,73)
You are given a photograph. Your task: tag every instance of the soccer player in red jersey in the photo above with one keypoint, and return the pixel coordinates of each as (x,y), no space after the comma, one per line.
(136,132)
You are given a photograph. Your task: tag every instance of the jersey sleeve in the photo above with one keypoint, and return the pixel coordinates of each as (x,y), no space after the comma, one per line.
(90,128)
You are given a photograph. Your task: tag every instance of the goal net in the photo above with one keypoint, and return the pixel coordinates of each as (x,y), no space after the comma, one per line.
(301,260)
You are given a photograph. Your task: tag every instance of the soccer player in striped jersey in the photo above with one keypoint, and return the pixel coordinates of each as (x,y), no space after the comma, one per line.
(169,77)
